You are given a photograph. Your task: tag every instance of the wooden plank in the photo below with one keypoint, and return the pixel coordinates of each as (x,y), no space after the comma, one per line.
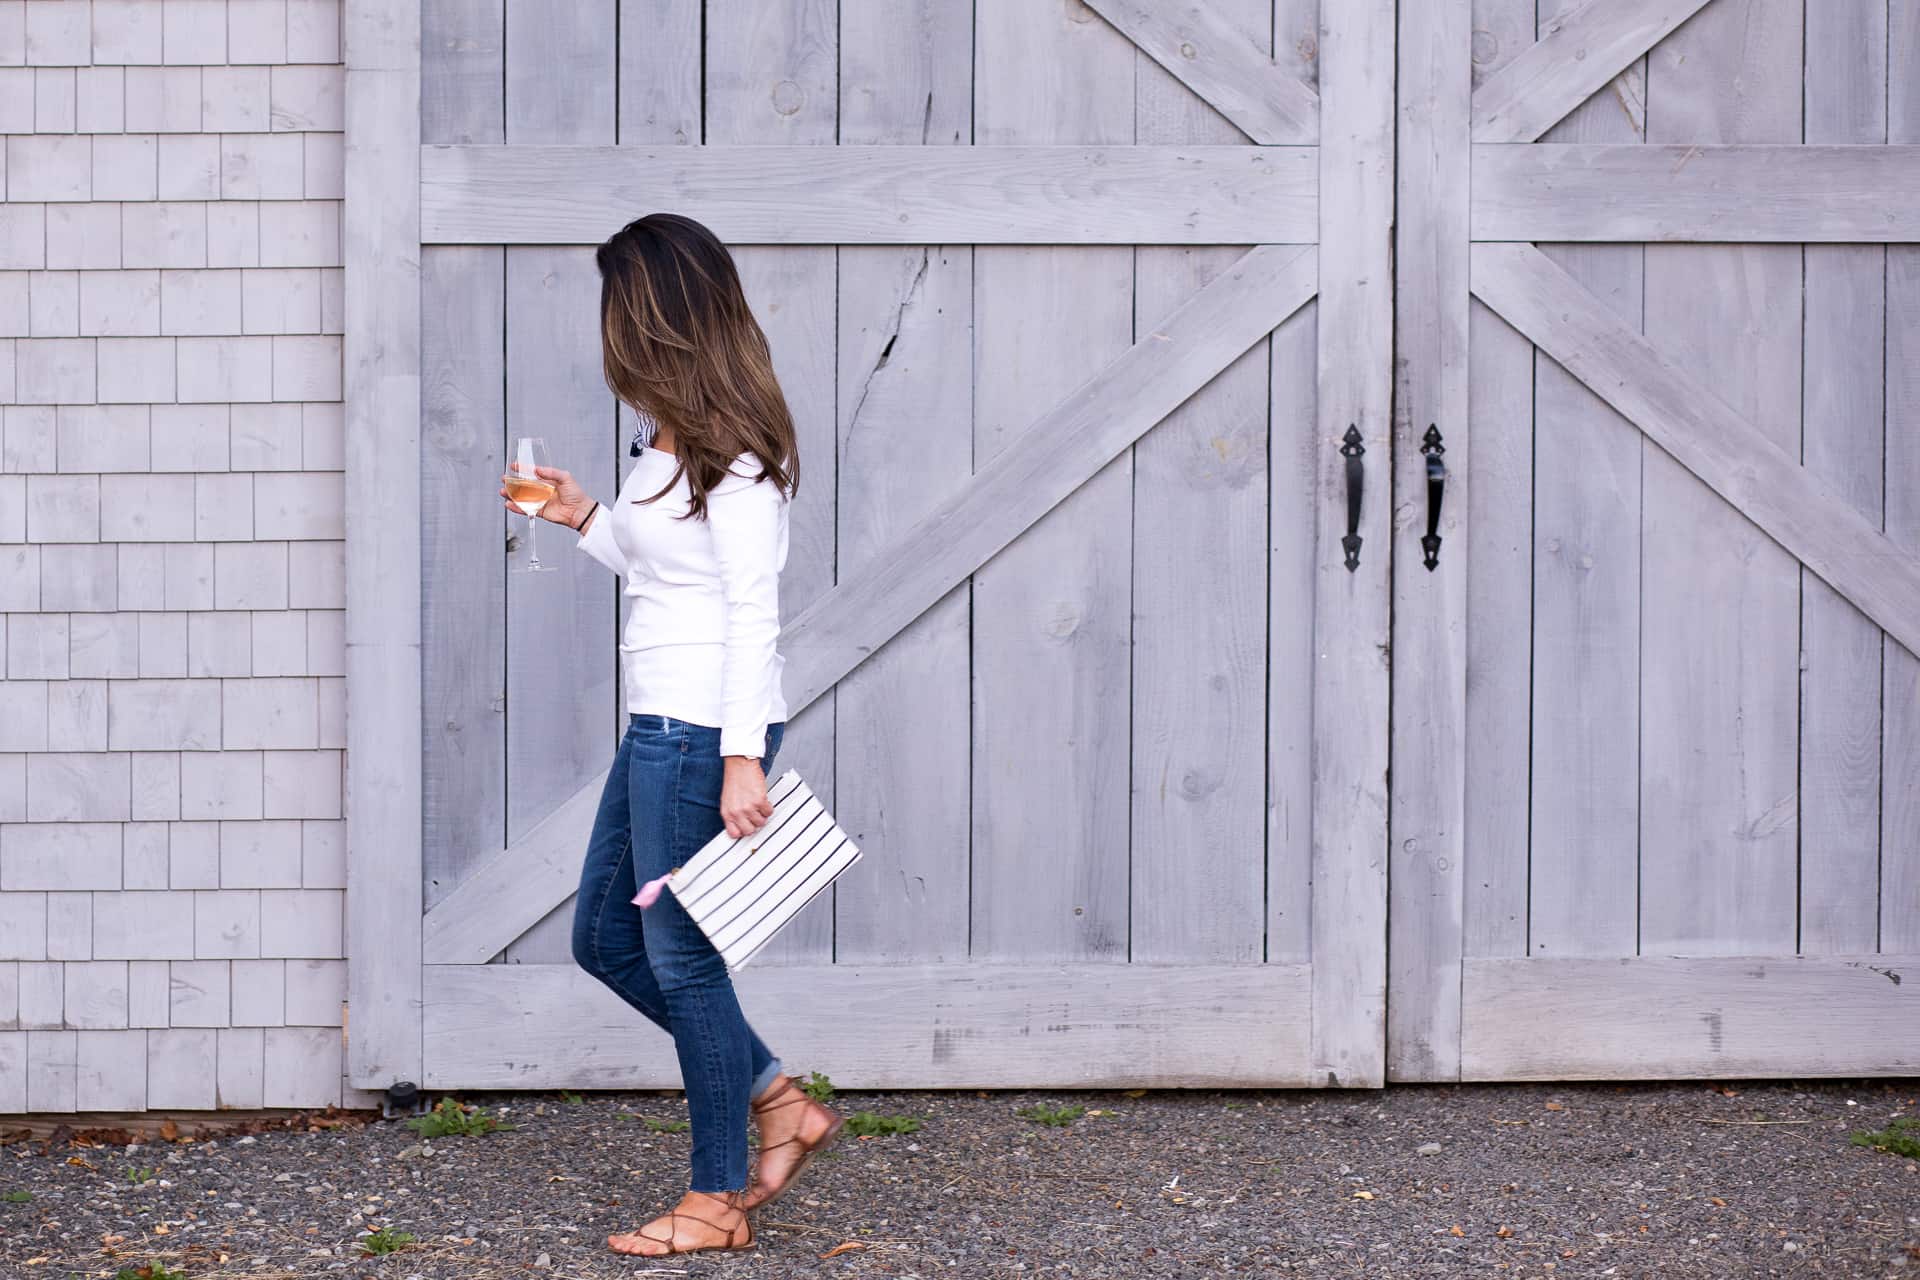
(382,385)
(1429,618)
(1199,672)
(1211,49)
(1293,467)
(1690,1017)
(1576,56)
(1844,443)
(1900,746)
(562,684)
(1052,611)
(1705,435)
(1056,453)
(660,63)
(1583,818)
(1498,544)
(771,78)
(463,370)
(894,1026)
(906,423)
(1351,619)
(1720,603)
(1697,192)
(752,194)
(462,65)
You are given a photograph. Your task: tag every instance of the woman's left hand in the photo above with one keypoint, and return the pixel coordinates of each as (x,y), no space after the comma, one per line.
(743,797)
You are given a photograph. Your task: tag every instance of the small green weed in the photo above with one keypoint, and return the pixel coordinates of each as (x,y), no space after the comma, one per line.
(575,1098)
(667,1126)
(138,1176)
(152,1271)
(1058,1117)
(865,1124)
(385,1240)
(17,1197)
(1901,1137)
(819,1088)
(451,1119)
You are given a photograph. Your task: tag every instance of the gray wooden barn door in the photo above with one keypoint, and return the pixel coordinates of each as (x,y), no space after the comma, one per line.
(1657,708)
(1075,305)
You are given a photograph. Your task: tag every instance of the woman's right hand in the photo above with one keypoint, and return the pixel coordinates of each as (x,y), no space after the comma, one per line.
(568,503)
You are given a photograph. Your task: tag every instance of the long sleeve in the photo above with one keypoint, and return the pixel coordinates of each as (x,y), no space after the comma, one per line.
(744,517)
(598,541)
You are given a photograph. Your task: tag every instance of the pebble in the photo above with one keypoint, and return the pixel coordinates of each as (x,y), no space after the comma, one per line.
(1429,1149)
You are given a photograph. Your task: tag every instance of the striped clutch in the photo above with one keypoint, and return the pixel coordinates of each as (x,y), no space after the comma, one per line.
(741,891)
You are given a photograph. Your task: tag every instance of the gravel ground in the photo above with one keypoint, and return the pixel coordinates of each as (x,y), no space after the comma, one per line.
(1658,1180)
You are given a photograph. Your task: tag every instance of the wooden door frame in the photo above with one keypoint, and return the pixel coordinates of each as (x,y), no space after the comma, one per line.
(425,1007)
(1476,189)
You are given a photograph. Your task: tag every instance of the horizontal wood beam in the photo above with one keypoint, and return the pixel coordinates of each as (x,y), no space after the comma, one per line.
(876,194)
(547,1026)
(1688,1017)
(1729,454)
(1060,451)
(1217,61)
(1575,57)
(1796,194)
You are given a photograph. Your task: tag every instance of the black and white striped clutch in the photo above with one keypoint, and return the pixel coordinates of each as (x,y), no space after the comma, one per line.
(742,891)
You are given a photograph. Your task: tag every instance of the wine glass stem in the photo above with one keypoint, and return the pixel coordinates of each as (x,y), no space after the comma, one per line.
(533,551)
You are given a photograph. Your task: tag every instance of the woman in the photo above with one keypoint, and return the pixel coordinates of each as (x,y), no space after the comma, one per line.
(698,534)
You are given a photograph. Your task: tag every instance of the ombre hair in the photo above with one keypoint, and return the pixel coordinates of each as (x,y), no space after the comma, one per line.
(678,342)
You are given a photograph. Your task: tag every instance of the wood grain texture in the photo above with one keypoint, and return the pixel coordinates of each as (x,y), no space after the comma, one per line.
(1056,453)
(382,385)
(1429,605)
(1213,50)
(1293,473)
(1719,660)
(1583,819)
(905,407)
(560,74)
(1351,614)
(462,453)
(1577,54)
(1669,1017)
(1698,192)
(1900,744)
(1498,545)
(1052,611)
(771,81)
(894,1026)
(1199,672)
(874,194)
(660,63)
(1844,443)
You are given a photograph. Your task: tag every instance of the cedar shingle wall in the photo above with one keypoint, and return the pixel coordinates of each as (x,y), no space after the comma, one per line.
(171,595)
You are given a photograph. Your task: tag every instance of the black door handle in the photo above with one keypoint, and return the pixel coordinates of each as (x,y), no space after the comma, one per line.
(1351,449)
(1436,489)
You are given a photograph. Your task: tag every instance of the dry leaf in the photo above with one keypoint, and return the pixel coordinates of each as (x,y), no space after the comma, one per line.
(839,1249)
(1555,1106)
(82,1161)
(1504,1232)
(34,1262)
(1455,1231)
(1717,1200)
(162,1229)
(1363,1195)
(1136,1093)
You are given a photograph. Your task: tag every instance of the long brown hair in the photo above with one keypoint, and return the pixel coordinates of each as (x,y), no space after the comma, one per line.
(679,342)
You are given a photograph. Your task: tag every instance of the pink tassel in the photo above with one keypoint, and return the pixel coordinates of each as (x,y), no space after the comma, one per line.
(650,891)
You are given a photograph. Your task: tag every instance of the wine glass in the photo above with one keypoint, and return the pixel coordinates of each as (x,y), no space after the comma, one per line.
(527,491)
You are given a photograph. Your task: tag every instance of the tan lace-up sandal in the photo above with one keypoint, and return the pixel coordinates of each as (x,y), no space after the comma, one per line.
(783,1094)
(671,1241)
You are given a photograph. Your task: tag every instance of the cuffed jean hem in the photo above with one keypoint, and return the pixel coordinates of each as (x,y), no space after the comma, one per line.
(764,1081)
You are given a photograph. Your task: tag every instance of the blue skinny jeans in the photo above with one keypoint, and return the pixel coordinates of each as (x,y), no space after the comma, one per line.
(661,803)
